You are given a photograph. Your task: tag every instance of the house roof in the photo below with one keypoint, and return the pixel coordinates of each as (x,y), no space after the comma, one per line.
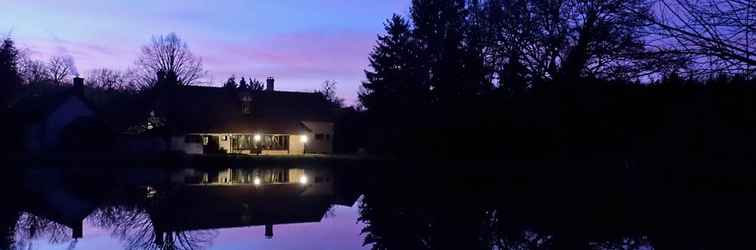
(33,108)
(198,109)
(228,206)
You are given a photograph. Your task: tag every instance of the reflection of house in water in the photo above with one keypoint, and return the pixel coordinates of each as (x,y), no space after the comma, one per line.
(188,201)
(231,198)
(64,210)
(258,176)
(48,198)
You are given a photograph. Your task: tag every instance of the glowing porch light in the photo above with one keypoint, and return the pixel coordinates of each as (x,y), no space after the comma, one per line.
(257,181)
(257,137)
(303,180)
(304,138)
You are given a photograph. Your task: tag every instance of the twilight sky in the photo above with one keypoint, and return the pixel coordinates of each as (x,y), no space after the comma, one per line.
(300,42)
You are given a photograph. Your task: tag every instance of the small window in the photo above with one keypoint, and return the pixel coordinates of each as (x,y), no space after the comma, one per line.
(224,138)
(319,137)
(247,105)
(328,137)
(246,109)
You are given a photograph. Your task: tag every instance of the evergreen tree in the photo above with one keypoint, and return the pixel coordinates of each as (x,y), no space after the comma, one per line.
(10,79)
(230,83)
(506,25)
(477,73)
(440,33)
(396,81)
(243,84)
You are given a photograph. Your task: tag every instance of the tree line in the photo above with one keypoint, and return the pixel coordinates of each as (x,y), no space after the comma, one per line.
(163,64)
(535,77)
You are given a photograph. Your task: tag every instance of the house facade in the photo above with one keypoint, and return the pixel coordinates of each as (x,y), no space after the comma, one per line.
(213,120)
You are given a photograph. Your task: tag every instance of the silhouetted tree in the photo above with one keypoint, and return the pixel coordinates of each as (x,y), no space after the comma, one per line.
(543,40)
(478,73)
(108,79)
(717,35)
(231,83)
(328,90)
(439,30)
(60,68)
(396,80)
(507,26)
(171,56)
(33,71)
(255,85)
(10,79)
(243,84)
(133,224)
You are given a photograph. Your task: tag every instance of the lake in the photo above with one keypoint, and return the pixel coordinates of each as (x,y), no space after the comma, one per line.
(277,207)
(404,206)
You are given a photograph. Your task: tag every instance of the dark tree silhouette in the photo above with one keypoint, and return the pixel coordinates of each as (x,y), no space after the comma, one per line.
(397,78)
(171,56)
(108,79)
(61,68)
(243,83)
(133,224)
(536,40)
(328,91)
(255,85)
(10,79)
(231,83)
(33,71)
(716,35)
(439,30)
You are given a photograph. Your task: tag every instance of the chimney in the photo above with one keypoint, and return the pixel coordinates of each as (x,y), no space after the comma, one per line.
(78,85)
(77,230)
(270,86)
(269,231)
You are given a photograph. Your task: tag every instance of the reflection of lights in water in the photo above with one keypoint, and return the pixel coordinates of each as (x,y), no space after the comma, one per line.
(257,181)
(151,192)
(303,179)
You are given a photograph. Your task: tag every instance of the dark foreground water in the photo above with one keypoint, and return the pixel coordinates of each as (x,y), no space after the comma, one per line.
(452,206)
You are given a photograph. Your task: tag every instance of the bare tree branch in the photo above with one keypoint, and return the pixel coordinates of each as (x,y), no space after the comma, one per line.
(61,67)
(170,55)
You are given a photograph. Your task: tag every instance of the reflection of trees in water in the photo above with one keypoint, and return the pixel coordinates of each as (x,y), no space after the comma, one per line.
(30,227)
(393,224)
(459,215)
(134,226)
(8,219)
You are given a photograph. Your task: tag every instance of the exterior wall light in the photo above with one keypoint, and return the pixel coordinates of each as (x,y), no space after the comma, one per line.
(257,137)
(303,180)
(257,181)
(304,138)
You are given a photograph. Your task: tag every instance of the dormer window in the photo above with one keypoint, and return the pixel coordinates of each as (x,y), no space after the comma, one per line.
(246,105)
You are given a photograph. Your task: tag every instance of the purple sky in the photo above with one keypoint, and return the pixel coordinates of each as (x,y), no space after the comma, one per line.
(300,42)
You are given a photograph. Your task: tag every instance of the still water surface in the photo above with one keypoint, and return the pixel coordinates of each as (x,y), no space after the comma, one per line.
(409,206)
(263,208)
